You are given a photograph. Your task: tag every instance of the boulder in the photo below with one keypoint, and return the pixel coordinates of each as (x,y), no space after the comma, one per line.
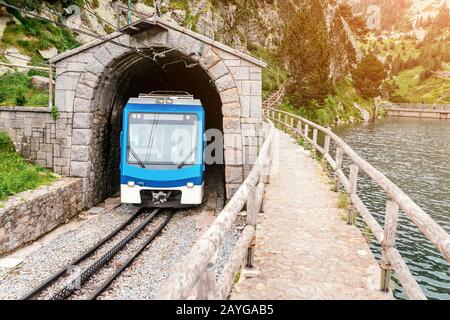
(48,53)
(39,82)
(365,115)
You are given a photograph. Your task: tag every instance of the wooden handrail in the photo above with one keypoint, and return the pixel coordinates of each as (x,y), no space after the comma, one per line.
(190,273)
(432,230)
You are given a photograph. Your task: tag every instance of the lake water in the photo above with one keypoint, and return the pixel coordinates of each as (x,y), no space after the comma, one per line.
(415,155)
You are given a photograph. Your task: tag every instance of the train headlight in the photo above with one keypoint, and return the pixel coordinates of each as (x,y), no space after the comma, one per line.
(131,183)
(190,185)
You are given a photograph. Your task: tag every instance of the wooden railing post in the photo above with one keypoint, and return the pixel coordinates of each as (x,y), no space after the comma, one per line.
(353,178)
(390,230)
(285,123)
(265,175)
(338,167)
(291,129)
(50,87)
(326,147)
(299,128)
(305,145)
(206,285)
(314,144)
(251,220)
(279,118)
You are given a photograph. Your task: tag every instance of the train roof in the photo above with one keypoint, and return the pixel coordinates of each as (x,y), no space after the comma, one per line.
(166,97)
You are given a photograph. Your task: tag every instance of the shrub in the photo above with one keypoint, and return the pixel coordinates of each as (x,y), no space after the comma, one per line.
(425,74)
(17,175)
(6,144)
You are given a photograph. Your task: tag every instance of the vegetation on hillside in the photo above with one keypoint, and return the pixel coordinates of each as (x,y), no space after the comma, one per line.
(30,35)
(16,174)
(320,63)
(16,90)
(418,68)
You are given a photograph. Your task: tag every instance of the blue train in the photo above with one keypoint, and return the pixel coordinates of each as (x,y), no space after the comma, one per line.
(161,150)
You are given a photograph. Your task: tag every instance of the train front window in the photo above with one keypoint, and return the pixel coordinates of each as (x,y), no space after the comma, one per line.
(162,139)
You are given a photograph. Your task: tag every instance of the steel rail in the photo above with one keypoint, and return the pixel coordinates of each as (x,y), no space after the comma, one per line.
(68,289)
(127,263)
(46,283)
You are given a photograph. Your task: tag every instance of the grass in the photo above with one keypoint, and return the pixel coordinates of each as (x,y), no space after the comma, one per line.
(16,174)
(432,90)
(16,89)
(343,200)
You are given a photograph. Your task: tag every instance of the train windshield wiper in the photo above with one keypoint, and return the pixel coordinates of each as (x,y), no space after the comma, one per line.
(185,159)
(136,157)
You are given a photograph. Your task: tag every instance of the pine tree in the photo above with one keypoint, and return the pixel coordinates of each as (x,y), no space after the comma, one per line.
(307,51)
(369,76)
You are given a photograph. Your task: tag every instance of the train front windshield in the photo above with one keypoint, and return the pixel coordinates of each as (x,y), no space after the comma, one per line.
(162,139)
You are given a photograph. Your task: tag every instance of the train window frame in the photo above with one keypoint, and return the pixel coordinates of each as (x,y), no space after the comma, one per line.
(162,165)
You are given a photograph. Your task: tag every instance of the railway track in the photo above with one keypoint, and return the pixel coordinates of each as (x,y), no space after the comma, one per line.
(90,274)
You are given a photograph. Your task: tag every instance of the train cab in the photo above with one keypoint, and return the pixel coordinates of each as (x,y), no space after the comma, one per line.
(162,150)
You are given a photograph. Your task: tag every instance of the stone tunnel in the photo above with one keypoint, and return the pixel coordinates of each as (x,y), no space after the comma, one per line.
(93,83)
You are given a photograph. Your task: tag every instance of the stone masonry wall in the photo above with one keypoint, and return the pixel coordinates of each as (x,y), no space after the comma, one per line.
(71,145)
(80,78)
(31,214)
(38,137)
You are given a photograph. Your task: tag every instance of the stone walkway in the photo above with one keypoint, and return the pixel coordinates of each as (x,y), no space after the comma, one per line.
(305,249)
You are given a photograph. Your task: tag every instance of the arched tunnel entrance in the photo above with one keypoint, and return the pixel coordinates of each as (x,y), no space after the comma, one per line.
(128,76)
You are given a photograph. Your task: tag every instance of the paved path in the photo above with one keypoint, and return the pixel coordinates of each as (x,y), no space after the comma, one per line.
(305,249)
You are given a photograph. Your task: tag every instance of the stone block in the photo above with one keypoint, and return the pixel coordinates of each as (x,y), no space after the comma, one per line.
(225,82)
(255,73)
(255,88)
(89,79)
(218,70)
(234,174)
(85,92)
(256,107)
(115,50)
(80,153)
(81,105)
(64,100)
(229,96)
(79,169)
(245,106)
(231,109)
(81,137)
(245,88)
(67,81)
(95,67)
(82,120)
(232,141)
(233,157)
(103,56)
(209,58)
(233,62)
(75,66)
(240,73)
(231,125)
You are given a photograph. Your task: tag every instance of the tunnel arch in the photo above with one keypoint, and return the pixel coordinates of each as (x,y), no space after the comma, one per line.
(128,76)
(94,82)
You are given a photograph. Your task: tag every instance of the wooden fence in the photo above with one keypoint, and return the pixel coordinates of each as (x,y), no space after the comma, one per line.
(195,277)
(276,98)
(391,258)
